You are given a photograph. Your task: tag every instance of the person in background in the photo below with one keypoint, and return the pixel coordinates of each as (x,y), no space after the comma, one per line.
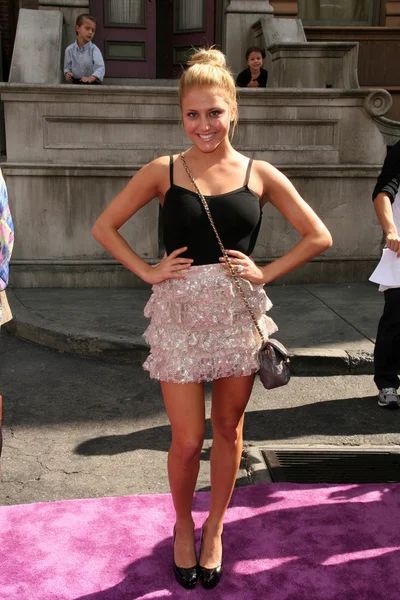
(386,197)
(83,61)
(6,246)
(254,75)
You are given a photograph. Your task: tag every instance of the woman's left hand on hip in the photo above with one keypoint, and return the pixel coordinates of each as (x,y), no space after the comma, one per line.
(244,267)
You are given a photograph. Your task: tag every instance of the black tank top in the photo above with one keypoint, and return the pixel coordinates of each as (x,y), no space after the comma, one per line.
(237,217)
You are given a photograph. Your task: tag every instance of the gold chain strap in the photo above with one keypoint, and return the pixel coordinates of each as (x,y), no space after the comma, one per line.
(226,257)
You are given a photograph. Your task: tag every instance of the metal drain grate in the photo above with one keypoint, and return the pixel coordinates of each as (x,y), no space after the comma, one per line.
(329,466)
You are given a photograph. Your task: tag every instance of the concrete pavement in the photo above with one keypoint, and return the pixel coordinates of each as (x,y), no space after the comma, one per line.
(79,428)
(328,329)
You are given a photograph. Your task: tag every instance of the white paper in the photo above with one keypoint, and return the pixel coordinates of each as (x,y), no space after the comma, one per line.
(388,270)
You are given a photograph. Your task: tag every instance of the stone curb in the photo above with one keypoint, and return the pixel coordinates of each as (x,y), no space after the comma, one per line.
(34,328)
(321,362)
(255,466)
(127,349)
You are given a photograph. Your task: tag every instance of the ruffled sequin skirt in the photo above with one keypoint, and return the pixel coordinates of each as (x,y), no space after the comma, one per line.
(200,329)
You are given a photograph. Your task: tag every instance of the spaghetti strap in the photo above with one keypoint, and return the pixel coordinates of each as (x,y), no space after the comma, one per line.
(248,172)
(171,169)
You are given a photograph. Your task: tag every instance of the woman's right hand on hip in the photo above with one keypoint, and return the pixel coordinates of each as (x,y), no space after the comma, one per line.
(171,267)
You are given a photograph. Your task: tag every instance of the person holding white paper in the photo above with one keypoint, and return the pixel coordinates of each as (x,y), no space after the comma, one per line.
(386,197)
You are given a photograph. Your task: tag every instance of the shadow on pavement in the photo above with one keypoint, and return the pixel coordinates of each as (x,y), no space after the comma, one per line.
(345,417)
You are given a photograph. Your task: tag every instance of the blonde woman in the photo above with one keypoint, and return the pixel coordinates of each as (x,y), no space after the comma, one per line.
(200,329)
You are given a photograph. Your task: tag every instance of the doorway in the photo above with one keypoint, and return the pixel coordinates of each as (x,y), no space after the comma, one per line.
(151,38)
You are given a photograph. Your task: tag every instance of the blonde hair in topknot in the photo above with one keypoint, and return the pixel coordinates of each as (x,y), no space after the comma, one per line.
(207,68)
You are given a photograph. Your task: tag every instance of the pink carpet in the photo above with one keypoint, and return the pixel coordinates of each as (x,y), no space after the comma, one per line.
(282,542)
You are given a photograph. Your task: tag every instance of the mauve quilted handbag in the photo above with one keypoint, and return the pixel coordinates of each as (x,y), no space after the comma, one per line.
(274,364)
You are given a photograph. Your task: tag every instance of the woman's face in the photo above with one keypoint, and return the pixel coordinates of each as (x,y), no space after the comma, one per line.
(255,60)
(206,117)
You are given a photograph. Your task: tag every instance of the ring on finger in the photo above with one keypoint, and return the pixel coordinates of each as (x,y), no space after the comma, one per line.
(240,269)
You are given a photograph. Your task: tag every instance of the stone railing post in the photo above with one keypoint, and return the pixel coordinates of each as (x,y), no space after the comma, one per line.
(70,9)
(35,59)
(240,15)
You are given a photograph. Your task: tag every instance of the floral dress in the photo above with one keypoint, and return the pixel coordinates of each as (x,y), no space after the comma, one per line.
(6,245)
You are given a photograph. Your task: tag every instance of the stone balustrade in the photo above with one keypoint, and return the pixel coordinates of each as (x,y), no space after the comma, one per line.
(71,149)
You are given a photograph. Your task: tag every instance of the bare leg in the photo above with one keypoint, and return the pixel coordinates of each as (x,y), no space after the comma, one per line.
(184,404)
(229,399)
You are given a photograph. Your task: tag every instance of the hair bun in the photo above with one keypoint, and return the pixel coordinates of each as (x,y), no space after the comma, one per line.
(212,57)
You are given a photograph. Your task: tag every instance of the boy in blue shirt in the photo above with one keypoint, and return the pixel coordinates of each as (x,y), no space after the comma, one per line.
(83,61)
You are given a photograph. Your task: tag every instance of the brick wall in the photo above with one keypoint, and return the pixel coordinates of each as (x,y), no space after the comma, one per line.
(8,25)
(8,22)
(390,10)
(284,8)
(392,13)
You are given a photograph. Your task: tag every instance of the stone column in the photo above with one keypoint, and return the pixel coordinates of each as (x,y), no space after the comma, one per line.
(37,59)
(240,15)
(70,9)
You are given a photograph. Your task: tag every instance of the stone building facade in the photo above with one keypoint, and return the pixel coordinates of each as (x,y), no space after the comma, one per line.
(171,27)
(70,149)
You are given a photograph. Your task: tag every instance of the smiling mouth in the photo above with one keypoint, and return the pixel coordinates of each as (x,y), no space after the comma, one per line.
(207,137)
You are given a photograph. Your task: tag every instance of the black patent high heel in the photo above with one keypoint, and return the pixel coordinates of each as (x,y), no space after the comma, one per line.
(209,578)
(187,578)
